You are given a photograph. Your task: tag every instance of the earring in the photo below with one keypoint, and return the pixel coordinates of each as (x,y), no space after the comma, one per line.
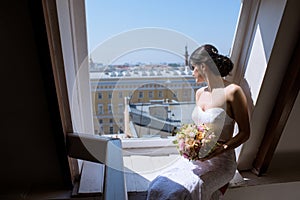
(202,66)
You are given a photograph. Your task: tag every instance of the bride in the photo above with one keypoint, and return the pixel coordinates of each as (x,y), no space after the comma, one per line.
(222,104)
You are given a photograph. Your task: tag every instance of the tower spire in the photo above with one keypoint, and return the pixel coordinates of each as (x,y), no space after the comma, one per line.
(186,55)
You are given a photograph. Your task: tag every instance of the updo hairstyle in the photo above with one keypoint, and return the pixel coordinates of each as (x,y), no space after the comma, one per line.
(219,64)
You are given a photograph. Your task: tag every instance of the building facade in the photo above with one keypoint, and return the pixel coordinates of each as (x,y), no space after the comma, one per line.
(140,84)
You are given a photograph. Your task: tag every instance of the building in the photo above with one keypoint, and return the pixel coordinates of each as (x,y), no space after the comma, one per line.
(141,84)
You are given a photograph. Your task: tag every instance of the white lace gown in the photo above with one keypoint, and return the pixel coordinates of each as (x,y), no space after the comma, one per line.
(196,180)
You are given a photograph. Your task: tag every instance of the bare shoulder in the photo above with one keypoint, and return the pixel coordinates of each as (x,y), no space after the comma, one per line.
(234,91)
(233,87)
(199,92)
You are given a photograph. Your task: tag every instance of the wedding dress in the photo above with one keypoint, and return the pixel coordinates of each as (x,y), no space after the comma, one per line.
(197,180)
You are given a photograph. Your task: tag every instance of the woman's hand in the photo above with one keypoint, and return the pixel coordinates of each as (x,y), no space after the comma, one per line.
(216,151)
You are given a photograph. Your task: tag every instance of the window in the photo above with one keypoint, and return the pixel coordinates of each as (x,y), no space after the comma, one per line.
(100,109)
(175,94)
(153,63)
(160,94)
(110,64)
(109,107)
(246,48)
(120,108)
(150,94)
(109,95)
(100,95)
(161,72)
(120,95)
(141,94)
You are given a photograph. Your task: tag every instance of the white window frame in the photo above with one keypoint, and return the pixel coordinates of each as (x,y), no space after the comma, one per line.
(74,49)
(245,44)
(71,16)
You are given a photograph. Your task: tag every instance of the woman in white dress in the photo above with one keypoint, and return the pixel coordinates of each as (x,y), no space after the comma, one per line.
(222,104)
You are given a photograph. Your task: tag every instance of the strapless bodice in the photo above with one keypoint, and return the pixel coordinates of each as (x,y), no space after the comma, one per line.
(211,115)
(215,118)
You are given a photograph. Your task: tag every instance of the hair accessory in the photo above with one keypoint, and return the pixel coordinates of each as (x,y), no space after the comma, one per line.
(215,51)
(225,146)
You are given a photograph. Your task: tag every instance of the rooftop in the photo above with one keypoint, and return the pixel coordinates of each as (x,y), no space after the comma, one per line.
(141,71)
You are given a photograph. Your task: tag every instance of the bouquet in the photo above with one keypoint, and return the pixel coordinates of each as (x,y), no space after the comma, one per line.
(195,141)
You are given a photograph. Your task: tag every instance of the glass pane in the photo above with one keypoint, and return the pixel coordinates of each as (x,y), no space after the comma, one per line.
(139,60)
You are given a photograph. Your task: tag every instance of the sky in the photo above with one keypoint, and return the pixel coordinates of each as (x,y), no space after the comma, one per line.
(204,21)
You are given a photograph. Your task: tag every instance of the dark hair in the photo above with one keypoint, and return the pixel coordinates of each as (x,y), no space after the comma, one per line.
(209,54)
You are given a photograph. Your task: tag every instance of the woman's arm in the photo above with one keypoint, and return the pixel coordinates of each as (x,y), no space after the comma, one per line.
(239,108)
(238,103)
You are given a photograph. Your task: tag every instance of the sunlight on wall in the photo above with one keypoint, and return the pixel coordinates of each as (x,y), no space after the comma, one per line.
(257,65)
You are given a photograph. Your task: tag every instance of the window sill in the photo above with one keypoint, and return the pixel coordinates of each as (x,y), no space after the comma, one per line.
(154,146)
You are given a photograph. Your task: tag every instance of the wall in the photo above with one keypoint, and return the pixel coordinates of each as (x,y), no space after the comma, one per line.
(287,155)
(30,122)
(289,141)
(288,191)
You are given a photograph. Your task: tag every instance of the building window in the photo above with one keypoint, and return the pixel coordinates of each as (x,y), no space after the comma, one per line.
(141,94)
(109,95)
(160,94)
(109,106)
(100,95)
(150,94)
(120,108)
(175,94)
(120,95)
(100,109)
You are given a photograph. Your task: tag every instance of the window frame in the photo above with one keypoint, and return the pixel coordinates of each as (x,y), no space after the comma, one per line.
(239,53)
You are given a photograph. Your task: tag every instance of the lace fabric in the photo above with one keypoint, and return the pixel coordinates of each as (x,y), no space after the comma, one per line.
(193,179)
(197,180)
